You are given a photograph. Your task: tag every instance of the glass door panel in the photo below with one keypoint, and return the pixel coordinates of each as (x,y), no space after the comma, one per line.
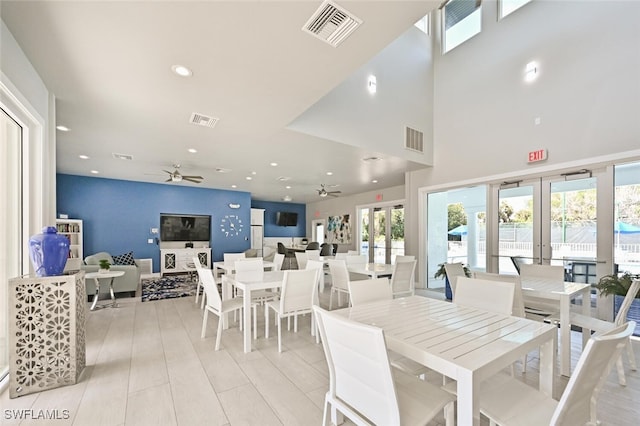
(515,228)
(379,235)
(397,233)
(365,232)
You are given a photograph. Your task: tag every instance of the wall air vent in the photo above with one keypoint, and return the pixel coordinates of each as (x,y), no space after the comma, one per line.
(122,156)
(203,120)
(331,24)
(413,140)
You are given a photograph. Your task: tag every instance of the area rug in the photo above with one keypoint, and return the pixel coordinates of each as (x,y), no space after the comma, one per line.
(168,287)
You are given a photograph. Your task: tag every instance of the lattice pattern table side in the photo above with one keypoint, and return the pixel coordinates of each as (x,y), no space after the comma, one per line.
(46,329)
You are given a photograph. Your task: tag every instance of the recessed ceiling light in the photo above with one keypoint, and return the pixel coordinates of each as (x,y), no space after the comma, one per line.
(371,84)
(288,186)
(372,158)
(374,181)
(274,164)
(248,178)
(181,70)
(63,128)
(192,150)
(254,173)
(95,172)
(84,157)
(234,186)
(286,198)
(531,72)
(329,173)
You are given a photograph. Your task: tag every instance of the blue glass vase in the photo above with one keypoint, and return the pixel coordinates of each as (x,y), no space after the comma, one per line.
(49,252)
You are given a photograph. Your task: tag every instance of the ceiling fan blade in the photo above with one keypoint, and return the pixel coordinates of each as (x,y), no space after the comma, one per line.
(190,179)
(331,194)
(169,180)
(334,192)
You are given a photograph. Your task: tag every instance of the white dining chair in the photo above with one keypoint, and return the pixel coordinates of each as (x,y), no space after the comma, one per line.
(554,272)
(313,254)
(318,266)
(509,401)
(340,256)
(230,259)
(363,386)
(197,264)
(278,259)
(538,308)
(405,258)
(453,271)
(493,296)
(402,278)
(598,325)
(297,296)
(215,304)
(301,259)
(353,253)
(251,270)
(339,280)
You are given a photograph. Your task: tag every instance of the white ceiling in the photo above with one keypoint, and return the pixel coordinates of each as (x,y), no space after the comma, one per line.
(109,66)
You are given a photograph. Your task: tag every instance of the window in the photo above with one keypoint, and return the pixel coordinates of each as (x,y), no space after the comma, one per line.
(461,20)
(505,7)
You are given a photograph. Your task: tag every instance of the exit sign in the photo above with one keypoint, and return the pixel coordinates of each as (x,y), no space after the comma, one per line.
(539,155)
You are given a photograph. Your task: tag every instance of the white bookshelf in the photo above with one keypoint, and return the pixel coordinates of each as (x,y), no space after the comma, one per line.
(72,229)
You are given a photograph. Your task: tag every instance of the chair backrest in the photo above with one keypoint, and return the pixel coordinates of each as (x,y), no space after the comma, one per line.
(313,245)
(359,372)
(298,290)
(453,271)
(301,259)
(249,270)
(230,258)
(353,252)
(494,296)
(278,258)
(210,289)
(405,258)
(402,278)
(339,274)
(555,272)
(341,256)
(326,249)
(356,259)
(518,300)
(367,291)
(592,370)
(318,266)
(282,249)
(334,247)
(518,260)
(313,254)
(196,262)
(621,316)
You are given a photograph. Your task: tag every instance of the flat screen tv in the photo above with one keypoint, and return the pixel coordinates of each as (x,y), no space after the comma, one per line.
(287,219)
(185,227)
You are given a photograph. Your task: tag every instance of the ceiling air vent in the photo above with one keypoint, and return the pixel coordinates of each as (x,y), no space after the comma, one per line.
(413,140)
(122,156)
(331,23)
(203,120)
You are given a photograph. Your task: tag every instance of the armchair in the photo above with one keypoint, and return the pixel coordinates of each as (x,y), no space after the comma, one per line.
(127,283)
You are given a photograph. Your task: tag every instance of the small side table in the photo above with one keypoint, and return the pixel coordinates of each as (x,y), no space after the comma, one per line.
(97,276)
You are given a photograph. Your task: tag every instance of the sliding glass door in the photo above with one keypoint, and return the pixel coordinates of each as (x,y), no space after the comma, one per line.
(381,233)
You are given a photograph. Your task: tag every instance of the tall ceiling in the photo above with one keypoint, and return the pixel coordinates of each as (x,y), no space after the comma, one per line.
(109,66)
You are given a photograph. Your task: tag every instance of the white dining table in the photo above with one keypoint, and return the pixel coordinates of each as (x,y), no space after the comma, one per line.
(228,268)
(270,280)
(562,293)
(465,344)
(373,270)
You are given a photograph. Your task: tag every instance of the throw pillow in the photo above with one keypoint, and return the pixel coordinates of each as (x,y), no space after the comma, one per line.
(124,259)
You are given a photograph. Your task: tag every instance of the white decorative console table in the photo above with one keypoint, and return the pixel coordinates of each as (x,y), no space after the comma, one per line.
(46,332)
(181,260)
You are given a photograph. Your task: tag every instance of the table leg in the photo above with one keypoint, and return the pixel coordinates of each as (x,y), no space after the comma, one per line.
(94,302)
(586,310)
(114,304)
(565,335)
(246,303)
(226,295)
(468,399)
(547,365)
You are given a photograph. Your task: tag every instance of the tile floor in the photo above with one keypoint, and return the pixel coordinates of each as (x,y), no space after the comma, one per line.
(147,365)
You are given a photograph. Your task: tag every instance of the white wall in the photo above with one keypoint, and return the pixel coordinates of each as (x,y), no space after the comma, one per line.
(25,96)
(342,205)
(587,95)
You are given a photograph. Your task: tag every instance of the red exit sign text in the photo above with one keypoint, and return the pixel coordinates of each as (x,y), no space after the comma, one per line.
(539,155)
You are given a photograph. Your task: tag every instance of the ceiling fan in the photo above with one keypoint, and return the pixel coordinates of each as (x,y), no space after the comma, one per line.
(323,192)
(175,176)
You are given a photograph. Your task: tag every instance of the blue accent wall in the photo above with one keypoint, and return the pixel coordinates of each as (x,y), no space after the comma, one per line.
(270,210)
(118,215)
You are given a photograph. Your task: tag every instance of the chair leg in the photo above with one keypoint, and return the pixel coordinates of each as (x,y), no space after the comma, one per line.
(198,292)
(632,357)
(219,335)
(255,322)
(330,298)
(204,323)
(620,367)
(266,321)
(449,414)
(279,334)
(326,411)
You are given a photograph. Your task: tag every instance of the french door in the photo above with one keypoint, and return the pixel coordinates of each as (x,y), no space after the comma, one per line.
(555,220)
(381,233)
